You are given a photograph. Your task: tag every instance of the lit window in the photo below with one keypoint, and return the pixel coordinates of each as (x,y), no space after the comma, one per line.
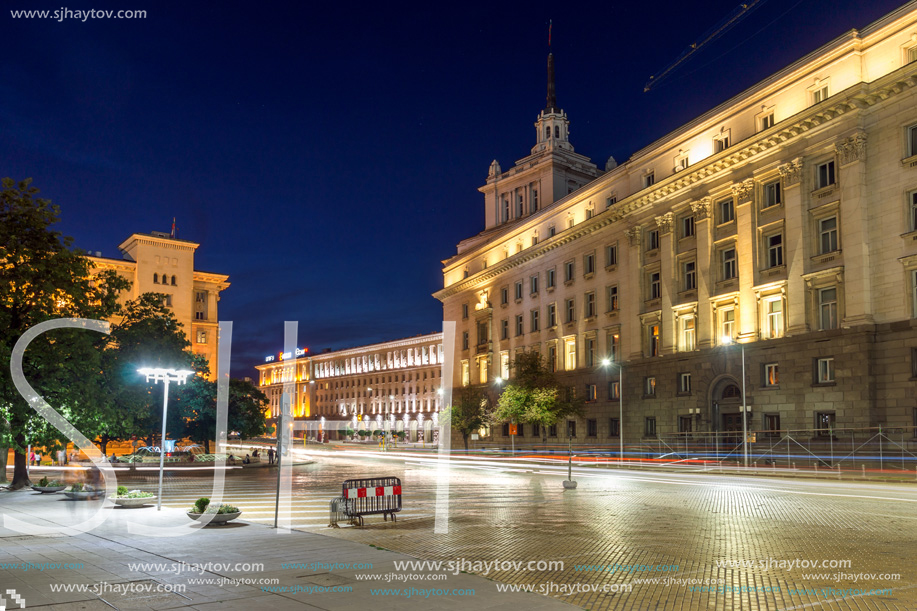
(825,370)
(504,365)
(466,373)
(570,310)
(649,179)
(827,234)
(611,252)
(730,269)
(727,323)
(202,337)
(684,382)
(655,286)
(653,334)
(689,274)
(774,319)
(687,226)
(613,343)
(824,175)
(614,392)
(649,386)
(612,293)
(482,372)
(590,305)
(772,194)
(775,250)
(688,333)
(827,308)
(727,211)
(591,395)
(570,354)
(771,374)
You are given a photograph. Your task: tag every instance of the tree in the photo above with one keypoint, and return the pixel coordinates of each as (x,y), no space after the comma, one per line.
(469,411)
(196,413)
(41,278)
(535,396)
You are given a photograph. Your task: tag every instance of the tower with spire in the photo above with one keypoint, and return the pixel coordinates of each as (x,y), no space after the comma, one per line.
(551,171)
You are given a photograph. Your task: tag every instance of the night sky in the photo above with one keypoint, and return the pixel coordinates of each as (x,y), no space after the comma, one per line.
(327,155)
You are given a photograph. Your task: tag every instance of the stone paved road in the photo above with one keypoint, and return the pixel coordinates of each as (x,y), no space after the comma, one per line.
(627,519)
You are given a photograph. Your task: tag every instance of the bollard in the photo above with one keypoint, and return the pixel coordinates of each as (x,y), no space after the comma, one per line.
(864,471)
(838,472)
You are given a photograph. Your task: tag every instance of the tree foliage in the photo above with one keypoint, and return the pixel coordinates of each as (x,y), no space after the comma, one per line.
(195,416)
(535,396)
(470,410)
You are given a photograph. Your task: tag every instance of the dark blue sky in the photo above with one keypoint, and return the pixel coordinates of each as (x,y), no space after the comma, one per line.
(327,155)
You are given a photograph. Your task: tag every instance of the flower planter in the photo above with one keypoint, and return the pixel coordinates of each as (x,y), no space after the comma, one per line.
(85,495)
(130,503)
(48,489)
(216,518)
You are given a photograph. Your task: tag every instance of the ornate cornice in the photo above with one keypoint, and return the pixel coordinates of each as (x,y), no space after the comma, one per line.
(743,190)
(665,222)
(852,149)
(633,235)
(791,172)
(701,208)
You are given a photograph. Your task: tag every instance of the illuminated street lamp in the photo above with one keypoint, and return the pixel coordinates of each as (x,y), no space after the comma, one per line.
(606,363)
(727,340)
(179,376)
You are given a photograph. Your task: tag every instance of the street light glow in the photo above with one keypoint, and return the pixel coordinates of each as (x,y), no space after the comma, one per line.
(726,339)
(606,362)
(498,380)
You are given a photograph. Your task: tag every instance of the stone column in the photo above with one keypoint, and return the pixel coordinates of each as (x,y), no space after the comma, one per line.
(854,231)
(743,196)
(706,277)
(794,234)
(670,279)
(631,260)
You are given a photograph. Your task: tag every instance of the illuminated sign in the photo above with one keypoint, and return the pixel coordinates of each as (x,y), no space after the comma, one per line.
(286,355)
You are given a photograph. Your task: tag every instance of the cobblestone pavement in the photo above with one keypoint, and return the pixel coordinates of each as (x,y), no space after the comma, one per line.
(680,542)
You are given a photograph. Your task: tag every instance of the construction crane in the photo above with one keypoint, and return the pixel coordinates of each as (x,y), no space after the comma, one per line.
(707,37)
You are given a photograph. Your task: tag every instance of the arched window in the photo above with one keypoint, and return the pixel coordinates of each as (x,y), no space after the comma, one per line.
(557,131)
(173,281)
(547,132)
(732,392)
(155,278)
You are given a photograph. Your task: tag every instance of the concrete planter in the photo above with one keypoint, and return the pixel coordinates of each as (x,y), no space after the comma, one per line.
(217,518)
(85,495)
(48,489)
(130,503)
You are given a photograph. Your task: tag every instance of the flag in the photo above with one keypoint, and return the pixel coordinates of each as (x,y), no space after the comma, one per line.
(550,25)
(172,235)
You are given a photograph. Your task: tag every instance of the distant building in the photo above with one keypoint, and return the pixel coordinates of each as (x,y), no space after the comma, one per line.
(396,381)
(157,263)
(784,219)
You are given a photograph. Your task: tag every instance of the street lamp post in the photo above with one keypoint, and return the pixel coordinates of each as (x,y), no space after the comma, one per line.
(728,340)
(179,376)
(606,363)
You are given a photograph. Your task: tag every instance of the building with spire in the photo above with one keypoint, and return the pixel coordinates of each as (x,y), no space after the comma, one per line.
(783,220)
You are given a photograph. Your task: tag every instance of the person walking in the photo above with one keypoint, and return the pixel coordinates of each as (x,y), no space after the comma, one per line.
(270,456)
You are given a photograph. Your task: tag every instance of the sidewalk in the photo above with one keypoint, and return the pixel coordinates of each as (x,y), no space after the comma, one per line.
(102,559)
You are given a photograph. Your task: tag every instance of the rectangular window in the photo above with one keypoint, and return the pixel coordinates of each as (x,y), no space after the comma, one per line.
(466,373)
(730,265)
(687,227)
(505,208)
(726,210)
(610,201)
(483,333)
(688,333)
(569,310)
(825,370)
(649,179)
(827,235)
(590,392)
(533,284)
(571,428)
(518,290)
(520,430)
(590,352)
(720,143)
(774,322)
(552,231)
(775,250)
(684,424)
(465,340)
(824,175)
(684,382)
(912,139)
(482,371)
(464,311)
(913,210)
(589,212)
(590,305)
(202,336)
(534,320)
(589,264)
(519,330)
(570,354)
(766,122)
(614,427)
(504,329)
(613,344)
(611,293)
(727,323)
(912,57)
(681,163)
(649,427)
(552,315)
(771,425)
(771,374)
(552,358)
(549,279)
(825,423)
(611,253)
(199,315)
(504,365)
(534,200)
(820,95)
(654,340)
(592,427)
(614,391)
(569,269)
(827,308)
(772,194)
(552,430)
(506,429)
(655,286)
(652,239)
(689,275)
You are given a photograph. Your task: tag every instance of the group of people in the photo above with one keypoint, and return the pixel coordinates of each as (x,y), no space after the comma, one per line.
(248,459)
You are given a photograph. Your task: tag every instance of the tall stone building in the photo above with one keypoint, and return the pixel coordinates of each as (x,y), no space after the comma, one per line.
(157,263)
(775,234)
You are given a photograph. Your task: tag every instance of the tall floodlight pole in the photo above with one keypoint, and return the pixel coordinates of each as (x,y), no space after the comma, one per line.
(179,376)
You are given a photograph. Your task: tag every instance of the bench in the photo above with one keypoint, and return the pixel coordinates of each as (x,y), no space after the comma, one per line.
(370,496)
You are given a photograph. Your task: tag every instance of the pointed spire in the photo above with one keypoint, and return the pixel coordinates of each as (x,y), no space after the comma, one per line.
(552,100)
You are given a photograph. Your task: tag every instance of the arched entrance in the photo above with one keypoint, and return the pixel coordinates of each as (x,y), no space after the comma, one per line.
(727,406)
(428,431)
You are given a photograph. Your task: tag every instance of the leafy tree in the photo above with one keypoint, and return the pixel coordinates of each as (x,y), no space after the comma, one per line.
(535,396)
(469,411)
(196,413)
(42,278)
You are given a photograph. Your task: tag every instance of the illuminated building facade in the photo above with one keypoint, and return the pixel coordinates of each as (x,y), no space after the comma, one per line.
(158,263)
(784,219)
(279,370)
(397,382)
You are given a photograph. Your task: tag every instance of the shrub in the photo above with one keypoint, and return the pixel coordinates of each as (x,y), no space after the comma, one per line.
(122,490)
(77,487)
(201,505)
